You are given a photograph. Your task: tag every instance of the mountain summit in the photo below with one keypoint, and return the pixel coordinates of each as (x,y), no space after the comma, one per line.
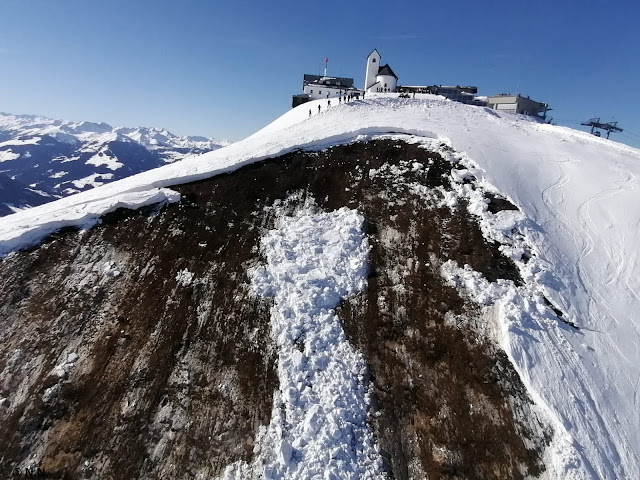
(383,288)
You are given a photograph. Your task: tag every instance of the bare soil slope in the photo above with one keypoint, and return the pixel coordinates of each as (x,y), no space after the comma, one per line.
(174,374)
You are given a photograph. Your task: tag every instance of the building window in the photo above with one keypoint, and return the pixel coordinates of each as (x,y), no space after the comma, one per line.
(319,92)
(373,60)
(311,92)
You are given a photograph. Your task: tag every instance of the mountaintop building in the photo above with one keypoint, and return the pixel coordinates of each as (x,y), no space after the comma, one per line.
(518,104)
(315,87)
(379,78)
(457,93)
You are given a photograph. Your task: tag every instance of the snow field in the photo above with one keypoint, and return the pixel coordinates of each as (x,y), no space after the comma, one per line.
(562,367)
(319,423)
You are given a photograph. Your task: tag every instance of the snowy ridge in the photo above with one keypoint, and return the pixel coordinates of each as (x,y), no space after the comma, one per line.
(518,311)
(319,421)
(579,223)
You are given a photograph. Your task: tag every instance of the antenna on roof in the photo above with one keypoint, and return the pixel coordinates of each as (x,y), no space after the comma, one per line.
(596,123)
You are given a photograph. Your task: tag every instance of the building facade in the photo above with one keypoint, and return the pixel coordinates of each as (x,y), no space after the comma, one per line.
(462,94)
(315,87)
(518,104)
(379,78)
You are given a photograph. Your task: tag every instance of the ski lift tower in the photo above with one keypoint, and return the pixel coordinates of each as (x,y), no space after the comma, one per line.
(596,123)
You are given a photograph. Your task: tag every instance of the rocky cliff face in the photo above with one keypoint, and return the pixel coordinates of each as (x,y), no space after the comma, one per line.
(137,350)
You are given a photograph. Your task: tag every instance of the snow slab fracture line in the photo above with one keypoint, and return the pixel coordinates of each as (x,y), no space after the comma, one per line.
(319,423)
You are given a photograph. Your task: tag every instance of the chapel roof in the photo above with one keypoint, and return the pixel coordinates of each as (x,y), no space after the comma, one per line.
(386,70)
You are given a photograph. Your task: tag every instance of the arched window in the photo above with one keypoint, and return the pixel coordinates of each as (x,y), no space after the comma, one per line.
(373,60)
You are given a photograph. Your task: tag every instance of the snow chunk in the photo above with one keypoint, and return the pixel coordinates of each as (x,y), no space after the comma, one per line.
(110,269)
(319,421)
(184,277)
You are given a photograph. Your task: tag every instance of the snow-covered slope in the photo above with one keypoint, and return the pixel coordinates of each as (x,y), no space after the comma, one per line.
(60,158)
(578,225)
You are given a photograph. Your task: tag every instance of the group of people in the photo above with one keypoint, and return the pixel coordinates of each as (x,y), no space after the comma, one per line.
(345,97)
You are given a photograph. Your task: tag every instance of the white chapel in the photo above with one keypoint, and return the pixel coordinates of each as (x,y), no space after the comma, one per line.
(379,78)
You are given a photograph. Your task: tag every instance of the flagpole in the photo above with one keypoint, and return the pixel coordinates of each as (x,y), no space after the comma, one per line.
(326,60)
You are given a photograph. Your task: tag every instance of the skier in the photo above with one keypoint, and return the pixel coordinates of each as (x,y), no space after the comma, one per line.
(318,108)
(328,103)
(309,112)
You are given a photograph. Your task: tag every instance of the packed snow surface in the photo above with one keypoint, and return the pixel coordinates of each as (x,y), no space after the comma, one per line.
(580,220)
(319,424)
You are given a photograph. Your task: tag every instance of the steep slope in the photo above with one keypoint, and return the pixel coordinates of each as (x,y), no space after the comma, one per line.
(559,297)
(157,358)
(62,158)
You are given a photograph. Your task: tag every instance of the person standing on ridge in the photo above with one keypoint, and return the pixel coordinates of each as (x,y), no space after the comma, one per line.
(318,108)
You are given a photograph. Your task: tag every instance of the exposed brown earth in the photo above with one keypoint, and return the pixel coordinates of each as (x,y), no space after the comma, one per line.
(173,379)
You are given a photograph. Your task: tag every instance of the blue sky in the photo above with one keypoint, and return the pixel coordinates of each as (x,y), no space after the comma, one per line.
(225,69)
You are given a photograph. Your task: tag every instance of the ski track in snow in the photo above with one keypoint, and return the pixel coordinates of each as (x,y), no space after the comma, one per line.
(580,218)
(531,339)
(319,424)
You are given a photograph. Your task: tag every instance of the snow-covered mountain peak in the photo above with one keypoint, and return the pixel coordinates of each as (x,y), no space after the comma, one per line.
(86,127)
(147,136)
(60,158)
(568,325)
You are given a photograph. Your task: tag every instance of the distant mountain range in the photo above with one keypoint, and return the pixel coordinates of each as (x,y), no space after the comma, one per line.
(42,159)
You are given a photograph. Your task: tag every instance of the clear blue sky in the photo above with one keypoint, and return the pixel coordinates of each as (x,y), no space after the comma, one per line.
(225,69)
